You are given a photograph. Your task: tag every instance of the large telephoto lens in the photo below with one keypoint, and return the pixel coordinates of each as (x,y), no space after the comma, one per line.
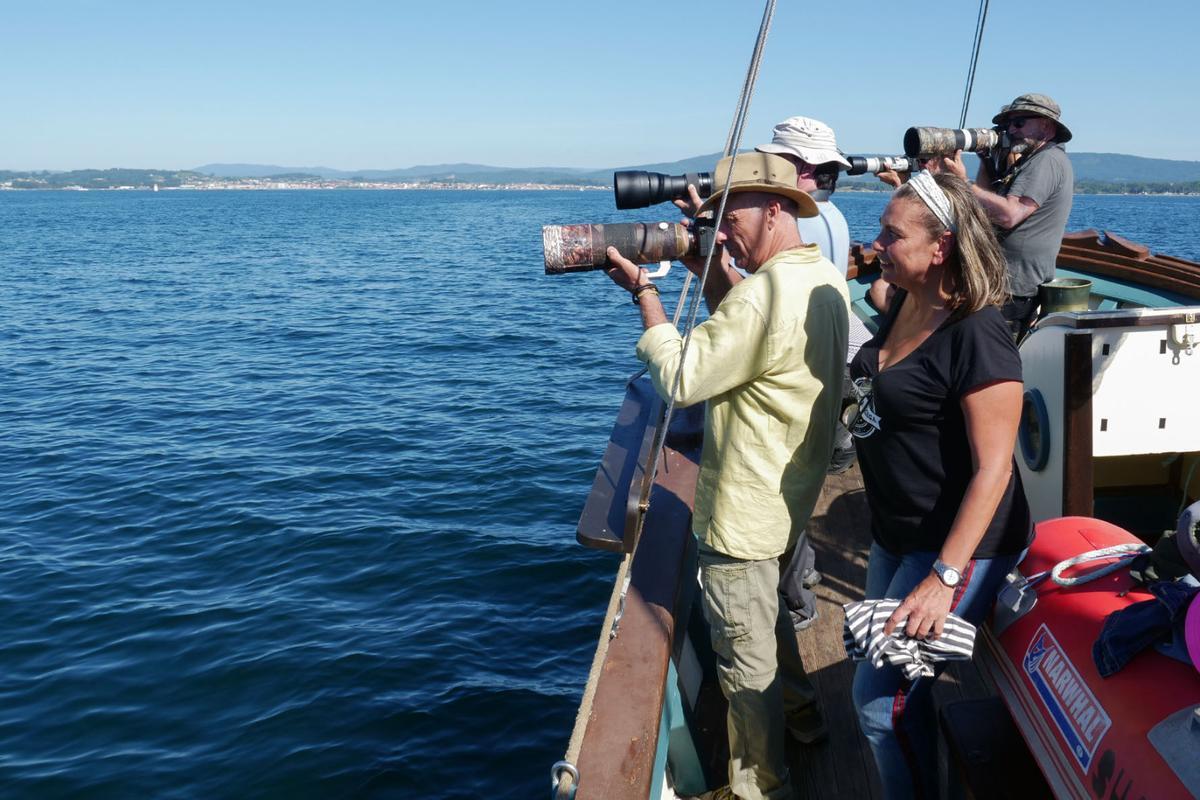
(930,142)
(579,248)
(860,165)
(639,189)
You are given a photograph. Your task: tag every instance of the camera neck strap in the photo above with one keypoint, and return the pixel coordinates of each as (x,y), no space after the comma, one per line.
(1010,175)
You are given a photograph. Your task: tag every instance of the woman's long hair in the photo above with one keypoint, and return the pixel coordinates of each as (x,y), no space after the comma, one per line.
(976,261)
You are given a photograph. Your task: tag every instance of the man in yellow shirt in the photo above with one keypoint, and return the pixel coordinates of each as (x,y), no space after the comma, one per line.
(769,363)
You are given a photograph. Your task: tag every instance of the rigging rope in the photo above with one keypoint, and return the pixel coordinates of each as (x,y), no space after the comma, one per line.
(980,21)
(565,777)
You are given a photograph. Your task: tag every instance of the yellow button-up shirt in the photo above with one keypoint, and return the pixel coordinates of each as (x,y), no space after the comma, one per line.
(769,361)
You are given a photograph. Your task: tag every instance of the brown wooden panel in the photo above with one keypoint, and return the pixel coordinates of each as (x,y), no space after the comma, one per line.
(1077,425)
(602,523)
(1094,320)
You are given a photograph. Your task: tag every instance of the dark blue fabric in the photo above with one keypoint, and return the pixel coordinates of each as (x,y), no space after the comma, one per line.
(1134,628)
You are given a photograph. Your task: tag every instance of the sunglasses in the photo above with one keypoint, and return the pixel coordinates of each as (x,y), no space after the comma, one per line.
(1018,122)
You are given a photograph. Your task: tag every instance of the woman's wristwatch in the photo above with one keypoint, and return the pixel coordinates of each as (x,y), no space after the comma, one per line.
(947,574)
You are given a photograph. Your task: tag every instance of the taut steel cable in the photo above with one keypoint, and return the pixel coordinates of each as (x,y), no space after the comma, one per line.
(980,21)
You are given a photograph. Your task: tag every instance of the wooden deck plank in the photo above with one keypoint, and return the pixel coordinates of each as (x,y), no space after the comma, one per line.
(840,535)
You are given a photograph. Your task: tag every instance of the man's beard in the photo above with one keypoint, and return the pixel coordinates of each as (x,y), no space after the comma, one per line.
(1026,145)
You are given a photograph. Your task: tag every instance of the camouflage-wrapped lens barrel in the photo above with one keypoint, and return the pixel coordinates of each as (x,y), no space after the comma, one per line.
(579,248)
(930,142)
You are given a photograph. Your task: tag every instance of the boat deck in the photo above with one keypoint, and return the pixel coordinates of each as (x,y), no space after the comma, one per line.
(843,767)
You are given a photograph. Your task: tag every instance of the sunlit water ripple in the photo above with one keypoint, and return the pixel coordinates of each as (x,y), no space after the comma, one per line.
(291,481)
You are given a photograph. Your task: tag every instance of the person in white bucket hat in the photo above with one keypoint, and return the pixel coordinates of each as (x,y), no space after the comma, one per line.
(812,148)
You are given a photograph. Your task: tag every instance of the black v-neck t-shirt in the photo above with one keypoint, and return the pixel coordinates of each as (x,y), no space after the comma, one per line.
(911,435)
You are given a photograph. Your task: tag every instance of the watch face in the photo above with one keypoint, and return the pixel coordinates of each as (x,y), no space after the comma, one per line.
(949,575)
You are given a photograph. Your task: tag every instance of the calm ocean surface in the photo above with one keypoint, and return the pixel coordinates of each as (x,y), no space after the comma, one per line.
(290,484)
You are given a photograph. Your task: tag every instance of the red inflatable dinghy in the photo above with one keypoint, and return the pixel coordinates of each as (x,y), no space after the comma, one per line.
(1135,734)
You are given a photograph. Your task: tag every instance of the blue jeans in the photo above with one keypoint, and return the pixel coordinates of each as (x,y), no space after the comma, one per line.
(896,715)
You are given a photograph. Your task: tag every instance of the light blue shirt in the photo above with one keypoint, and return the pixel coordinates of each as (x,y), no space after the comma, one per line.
(829,232)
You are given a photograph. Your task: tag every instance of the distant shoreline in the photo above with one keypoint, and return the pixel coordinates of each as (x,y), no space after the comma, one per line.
(264,185)
(254,184)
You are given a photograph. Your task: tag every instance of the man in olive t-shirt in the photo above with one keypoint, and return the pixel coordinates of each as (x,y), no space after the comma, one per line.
(1029,204)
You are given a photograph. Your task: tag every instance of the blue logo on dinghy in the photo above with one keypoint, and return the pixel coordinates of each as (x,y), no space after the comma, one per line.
(1076,712)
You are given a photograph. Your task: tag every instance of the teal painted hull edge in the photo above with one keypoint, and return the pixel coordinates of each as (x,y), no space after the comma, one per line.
(675,745)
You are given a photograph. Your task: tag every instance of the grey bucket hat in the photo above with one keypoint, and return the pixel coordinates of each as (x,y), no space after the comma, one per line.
(1041,105)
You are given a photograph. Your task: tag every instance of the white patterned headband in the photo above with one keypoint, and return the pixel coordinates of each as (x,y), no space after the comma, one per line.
(932,195)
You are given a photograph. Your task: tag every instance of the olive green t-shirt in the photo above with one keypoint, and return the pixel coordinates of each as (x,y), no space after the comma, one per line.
(1031,248)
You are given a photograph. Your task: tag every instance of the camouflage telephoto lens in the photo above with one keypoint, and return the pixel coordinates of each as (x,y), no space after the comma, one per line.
(929,142)
(639,189)
(580,248)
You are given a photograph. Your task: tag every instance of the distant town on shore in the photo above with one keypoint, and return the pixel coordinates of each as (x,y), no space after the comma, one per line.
(1095,173)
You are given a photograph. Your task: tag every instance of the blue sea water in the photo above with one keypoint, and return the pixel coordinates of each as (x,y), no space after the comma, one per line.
(290,482)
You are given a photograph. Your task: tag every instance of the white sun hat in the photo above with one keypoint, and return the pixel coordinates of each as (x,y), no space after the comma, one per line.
(806,138)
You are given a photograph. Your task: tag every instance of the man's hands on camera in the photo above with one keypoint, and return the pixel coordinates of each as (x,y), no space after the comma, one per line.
(690,206)
(953,166)
(624,273)
(632,278)
(890,177)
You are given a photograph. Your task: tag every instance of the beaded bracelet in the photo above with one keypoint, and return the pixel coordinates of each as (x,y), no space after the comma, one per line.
(638,291)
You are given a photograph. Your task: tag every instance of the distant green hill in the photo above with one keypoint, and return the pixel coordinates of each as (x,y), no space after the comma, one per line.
(441,173)
(1115,171)
(97,178)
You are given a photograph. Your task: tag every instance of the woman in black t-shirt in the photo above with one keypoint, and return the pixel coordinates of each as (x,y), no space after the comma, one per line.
(939,392)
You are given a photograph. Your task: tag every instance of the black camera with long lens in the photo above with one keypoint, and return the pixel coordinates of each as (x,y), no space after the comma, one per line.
(860,165)
(635,188)
(580,248)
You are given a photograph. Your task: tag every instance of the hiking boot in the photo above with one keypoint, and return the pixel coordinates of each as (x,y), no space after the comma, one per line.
(803,623)
(723,793)
(843,457)
(806,725)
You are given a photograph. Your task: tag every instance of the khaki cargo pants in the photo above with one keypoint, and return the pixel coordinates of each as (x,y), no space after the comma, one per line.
(758,666)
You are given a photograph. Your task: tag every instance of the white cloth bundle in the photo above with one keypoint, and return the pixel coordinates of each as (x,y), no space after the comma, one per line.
(863,636)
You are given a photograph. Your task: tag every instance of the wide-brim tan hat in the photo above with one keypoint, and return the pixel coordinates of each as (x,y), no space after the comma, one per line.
(1040,105)
(759,172)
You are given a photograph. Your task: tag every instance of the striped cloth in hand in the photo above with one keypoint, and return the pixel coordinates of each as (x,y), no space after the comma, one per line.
(863,636)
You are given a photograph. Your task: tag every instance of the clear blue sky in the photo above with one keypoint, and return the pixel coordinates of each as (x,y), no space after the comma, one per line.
(358,84)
